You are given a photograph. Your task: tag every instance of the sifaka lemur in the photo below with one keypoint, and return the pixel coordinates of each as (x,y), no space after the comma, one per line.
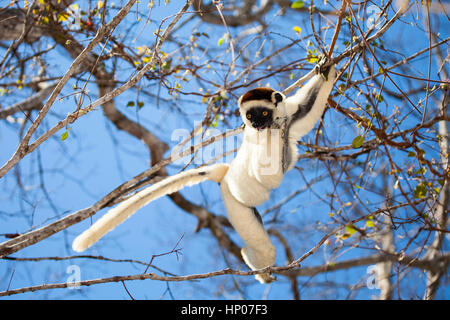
(273,125)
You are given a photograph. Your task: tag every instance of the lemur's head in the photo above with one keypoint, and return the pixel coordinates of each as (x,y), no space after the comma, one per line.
(260,107)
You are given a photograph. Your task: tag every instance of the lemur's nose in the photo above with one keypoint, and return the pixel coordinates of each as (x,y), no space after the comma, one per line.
(259,125)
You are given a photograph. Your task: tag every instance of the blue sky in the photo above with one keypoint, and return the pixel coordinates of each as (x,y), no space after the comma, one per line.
(96,158)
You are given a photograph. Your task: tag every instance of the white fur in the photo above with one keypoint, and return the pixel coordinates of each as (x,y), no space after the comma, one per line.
(304,125)
(245,183)
(125,209)
(259,251)
(257,168)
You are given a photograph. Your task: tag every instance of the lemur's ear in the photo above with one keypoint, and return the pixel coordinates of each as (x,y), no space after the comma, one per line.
(277,97)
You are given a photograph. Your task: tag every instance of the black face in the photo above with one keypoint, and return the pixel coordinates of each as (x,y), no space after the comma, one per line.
(260,117)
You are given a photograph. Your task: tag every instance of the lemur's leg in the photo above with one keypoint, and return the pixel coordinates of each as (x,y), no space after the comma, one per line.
(259,251)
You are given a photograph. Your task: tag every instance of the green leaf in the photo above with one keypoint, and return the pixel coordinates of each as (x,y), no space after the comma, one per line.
(140,104)
(370,224)
(411,154)
(420,191)
(311,56)
(358,142)
(421,171)
(65,135)
(215,122)
(130,104)
(312,59)
(350,229)
(297,5)
(220,42)
(379,98)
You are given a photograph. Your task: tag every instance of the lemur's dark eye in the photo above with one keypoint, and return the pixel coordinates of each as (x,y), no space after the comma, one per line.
(265,113)
(249,115)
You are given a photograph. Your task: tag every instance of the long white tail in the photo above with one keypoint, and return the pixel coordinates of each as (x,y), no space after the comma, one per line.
(125,209)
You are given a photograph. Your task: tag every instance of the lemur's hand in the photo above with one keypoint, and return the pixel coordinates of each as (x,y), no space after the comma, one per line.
(323,66)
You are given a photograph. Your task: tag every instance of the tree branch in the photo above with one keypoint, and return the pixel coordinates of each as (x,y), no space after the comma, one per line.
(24,148)
(31,103)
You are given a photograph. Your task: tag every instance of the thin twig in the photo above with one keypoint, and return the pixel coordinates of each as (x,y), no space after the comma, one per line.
(24,148)
(174,250)
(126,289)
(337,29)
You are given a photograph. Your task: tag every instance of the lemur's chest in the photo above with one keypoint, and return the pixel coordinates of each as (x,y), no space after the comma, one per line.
(260,165)
(266,160)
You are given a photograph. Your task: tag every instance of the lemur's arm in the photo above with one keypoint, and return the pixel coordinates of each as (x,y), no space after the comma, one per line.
(306,106)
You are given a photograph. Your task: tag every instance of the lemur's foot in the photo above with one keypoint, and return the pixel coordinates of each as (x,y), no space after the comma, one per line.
(265,278)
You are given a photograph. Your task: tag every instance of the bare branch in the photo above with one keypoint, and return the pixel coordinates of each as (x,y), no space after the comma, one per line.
(31,103)
(24,148)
